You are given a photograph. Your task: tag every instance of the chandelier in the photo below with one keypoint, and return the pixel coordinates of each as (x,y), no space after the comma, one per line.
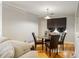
(47,14)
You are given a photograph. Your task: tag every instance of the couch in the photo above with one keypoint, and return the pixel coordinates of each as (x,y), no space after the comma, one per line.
(15,49)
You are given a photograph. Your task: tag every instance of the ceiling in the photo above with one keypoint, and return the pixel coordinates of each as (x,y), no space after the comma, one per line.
(58,8)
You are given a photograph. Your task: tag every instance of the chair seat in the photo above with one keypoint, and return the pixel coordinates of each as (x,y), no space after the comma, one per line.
(47,40)
(39,42)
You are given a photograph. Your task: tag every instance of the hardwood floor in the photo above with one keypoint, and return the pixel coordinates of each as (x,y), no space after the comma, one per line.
(67,53)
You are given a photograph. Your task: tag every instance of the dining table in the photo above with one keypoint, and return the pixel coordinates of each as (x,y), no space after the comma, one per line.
(45,38)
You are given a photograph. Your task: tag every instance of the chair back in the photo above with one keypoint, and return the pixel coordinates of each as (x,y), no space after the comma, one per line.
(63,38)
(54,41)
(34,37)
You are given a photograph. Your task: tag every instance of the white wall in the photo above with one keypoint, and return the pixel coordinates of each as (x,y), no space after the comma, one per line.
(77,20)
(70,28)
(18,24)
(0,18)
(77,33)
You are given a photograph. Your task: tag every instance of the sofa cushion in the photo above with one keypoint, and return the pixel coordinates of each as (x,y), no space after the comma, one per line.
(20,47)
(6,50)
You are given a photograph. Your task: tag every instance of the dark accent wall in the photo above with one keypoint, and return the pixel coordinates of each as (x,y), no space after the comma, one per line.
(59,23)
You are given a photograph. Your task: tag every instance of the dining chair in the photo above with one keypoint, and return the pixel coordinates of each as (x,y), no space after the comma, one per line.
(62,38)
(53,44)
(37,41)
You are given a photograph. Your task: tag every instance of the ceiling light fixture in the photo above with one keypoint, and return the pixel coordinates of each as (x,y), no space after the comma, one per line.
(47,16)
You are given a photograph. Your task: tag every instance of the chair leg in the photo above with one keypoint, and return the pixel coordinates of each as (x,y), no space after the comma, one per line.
(42,43)
(56,53)
(63,46)
(46,49)
(42,46)
(49,52)
(52,50)
(35,46)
